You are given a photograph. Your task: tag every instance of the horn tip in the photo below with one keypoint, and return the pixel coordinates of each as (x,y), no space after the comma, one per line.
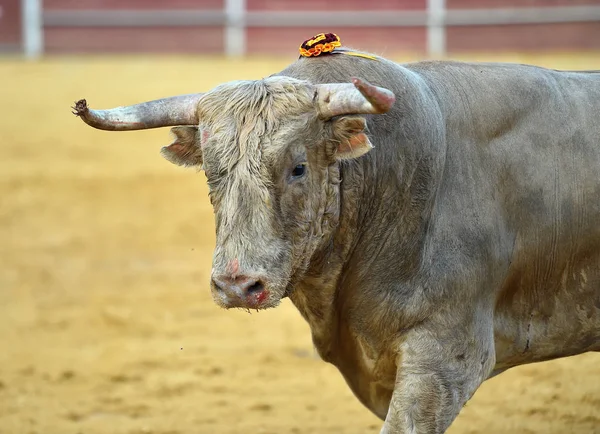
(383,99)
(80,108)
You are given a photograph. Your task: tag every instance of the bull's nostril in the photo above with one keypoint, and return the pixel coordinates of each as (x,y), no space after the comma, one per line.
(218,284)
(240,287)
(255,287)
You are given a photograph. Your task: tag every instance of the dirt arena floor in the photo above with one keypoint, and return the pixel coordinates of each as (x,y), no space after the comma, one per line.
(106,320)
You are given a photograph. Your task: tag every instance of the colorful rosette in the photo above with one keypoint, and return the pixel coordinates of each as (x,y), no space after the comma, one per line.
(319,44)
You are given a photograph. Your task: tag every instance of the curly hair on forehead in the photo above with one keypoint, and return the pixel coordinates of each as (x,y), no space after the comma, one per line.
(243,118)
(242,115)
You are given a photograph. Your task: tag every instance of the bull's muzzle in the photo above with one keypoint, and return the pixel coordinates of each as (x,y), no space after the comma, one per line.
(239,291)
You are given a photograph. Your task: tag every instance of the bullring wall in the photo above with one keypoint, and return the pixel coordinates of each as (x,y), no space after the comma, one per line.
(188,26)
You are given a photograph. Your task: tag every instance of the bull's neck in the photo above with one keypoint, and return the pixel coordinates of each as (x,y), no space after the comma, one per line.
(377,221)
(386,200)
(315,295)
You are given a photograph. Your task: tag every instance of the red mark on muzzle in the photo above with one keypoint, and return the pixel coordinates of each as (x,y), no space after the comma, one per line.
(262,296)
(233,268)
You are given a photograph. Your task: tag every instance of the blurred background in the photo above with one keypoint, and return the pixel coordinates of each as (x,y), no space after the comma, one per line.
(239,27)
(106,320)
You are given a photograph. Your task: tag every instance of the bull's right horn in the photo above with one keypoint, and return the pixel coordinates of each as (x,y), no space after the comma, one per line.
(358,97)
(166,112)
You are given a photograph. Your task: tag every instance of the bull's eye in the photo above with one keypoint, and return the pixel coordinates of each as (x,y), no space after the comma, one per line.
(299,171)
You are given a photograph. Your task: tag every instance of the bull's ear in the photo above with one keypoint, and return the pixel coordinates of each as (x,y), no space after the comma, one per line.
(350,137)
(185,149)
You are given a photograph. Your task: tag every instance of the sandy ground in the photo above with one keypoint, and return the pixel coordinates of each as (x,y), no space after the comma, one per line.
(106,321)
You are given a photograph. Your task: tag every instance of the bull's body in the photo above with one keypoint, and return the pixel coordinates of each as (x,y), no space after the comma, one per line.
(467,242)
(472,230)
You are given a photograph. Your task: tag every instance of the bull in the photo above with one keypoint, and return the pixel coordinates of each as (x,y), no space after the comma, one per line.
(436,223)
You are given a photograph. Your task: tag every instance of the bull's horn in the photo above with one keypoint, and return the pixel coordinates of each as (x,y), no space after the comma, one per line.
(173,111)
(360,97)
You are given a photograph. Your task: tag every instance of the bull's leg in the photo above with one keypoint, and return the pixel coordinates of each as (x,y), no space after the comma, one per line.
(439,368)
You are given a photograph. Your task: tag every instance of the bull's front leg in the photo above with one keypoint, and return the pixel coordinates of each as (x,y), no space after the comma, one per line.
(440,366)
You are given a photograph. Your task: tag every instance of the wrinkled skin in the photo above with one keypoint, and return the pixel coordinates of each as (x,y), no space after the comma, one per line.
(270,219)
(465,243)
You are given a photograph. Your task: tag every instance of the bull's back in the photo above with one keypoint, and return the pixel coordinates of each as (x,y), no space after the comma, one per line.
(527,142)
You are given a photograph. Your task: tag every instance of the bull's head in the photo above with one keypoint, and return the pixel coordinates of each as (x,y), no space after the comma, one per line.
(270,149)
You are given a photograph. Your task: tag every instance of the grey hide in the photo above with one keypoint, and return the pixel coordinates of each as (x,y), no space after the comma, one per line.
(465,242)
(475,234)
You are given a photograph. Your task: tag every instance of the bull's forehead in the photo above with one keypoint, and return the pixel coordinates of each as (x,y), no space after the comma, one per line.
(268,100)
(249,124)
(249,121)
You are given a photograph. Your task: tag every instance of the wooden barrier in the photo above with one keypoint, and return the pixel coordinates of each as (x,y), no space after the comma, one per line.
(387,27)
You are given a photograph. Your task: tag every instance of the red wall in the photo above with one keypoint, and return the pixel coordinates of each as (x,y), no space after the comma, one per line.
(336,5)
(10,25)
(379,40)
(479,4)
(132,4)
(285,40)
(524,37)
(206,40)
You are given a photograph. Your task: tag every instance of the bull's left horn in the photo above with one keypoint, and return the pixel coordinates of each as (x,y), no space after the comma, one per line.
(166,112)
(358,97)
